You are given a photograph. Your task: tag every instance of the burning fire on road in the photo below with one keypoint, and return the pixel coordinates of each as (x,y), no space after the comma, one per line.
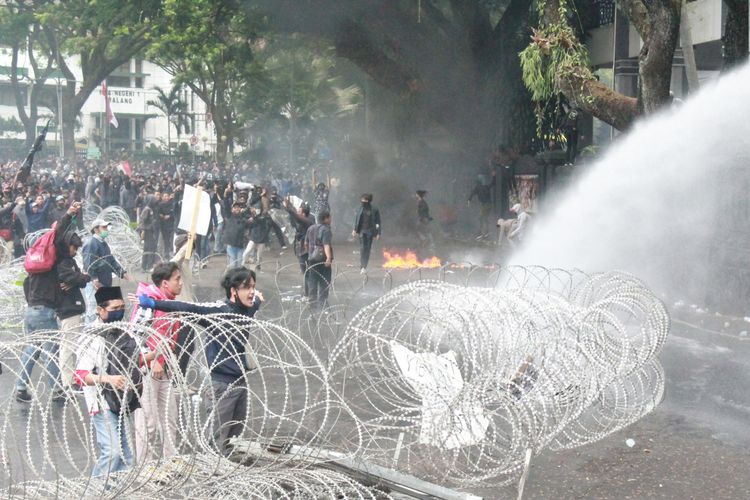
(408,260)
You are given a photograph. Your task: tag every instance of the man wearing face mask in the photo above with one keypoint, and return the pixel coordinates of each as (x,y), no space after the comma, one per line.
(99,263)
(367,227)
(226,350)
(108,370)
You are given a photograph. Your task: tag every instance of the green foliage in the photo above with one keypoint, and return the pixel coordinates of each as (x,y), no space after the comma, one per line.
(173,107)
(554,52)
(209,46)
(298,83)
(100,30)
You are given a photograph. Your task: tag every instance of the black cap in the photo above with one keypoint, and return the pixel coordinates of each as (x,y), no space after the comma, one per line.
(421,192)
(107,293)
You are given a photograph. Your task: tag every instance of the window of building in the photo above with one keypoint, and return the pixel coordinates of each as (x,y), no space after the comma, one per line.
(118,81)
(123,68)
(139,82)
(138,129)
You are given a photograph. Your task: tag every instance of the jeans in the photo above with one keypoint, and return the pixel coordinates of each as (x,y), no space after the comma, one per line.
(484,218)
(303,267)
(167,236)
(234,256)
(258,248)
(111,437)
(150,244)
(228,405)
(157,415)
(203,246)
(71,332)
(320,282)
(365,240)
(89,296)
(218,234)
(39,318)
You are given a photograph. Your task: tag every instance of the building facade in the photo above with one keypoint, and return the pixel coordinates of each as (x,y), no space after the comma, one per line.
(131,88)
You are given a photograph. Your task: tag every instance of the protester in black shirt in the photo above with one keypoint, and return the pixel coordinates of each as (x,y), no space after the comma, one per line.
(367,227)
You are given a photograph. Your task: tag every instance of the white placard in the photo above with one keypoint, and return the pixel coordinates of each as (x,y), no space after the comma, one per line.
(204,211)
(448,421)
(296,201)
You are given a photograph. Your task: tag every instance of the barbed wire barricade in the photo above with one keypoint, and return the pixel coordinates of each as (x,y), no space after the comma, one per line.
(449,375)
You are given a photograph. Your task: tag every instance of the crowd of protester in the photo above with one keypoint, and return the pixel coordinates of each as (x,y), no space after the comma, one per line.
(150,193)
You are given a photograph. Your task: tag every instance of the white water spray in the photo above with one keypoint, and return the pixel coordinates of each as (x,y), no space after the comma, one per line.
(670,203)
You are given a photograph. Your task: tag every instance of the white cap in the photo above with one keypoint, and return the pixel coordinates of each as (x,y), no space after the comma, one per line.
(99,223)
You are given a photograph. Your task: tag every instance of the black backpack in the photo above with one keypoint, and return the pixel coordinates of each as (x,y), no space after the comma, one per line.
(122,359)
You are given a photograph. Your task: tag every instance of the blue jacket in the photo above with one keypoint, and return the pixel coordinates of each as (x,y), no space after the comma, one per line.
(225,351)
(99,262)
(37,220)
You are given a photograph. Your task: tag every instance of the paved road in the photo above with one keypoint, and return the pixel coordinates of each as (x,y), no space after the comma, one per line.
(695,445)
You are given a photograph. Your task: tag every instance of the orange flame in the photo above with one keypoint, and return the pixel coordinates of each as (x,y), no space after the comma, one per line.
(408,261)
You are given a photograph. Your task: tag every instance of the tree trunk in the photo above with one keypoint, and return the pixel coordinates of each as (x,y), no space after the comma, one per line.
(69,114)
(736,33)
(169,138)
(655,59)
(596,99)
(658,24)
(458,70)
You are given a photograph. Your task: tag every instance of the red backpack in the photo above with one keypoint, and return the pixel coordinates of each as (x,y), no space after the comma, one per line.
(41,256)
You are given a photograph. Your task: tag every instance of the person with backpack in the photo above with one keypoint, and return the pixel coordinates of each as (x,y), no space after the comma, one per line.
(42,291)
(108,371)
(226,350)
(319,258)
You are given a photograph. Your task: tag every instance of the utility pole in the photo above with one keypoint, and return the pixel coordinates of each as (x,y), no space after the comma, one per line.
(60,120)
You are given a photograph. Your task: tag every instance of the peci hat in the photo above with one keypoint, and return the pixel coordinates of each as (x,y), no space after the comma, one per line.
(99,223)
(107,293)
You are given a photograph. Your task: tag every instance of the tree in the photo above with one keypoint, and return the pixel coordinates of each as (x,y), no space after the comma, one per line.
(298,87)
(457,59)
(175,110)
(102,34)
(736,33)
(209,47)
(556,61)
(20,32)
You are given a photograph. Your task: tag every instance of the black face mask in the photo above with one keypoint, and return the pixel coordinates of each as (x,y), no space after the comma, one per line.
(365,203)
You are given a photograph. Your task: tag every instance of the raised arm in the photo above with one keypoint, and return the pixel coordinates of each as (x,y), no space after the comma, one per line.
(179,306)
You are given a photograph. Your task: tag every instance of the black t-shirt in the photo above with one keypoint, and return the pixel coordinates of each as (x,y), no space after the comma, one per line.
(366,219)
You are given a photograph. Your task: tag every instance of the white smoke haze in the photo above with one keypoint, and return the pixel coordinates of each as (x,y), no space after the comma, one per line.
(668,203)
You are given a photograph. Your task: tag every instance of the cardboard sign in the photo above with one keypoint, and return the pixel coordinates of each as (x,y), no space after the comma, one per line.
(450,419)
(190,203)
